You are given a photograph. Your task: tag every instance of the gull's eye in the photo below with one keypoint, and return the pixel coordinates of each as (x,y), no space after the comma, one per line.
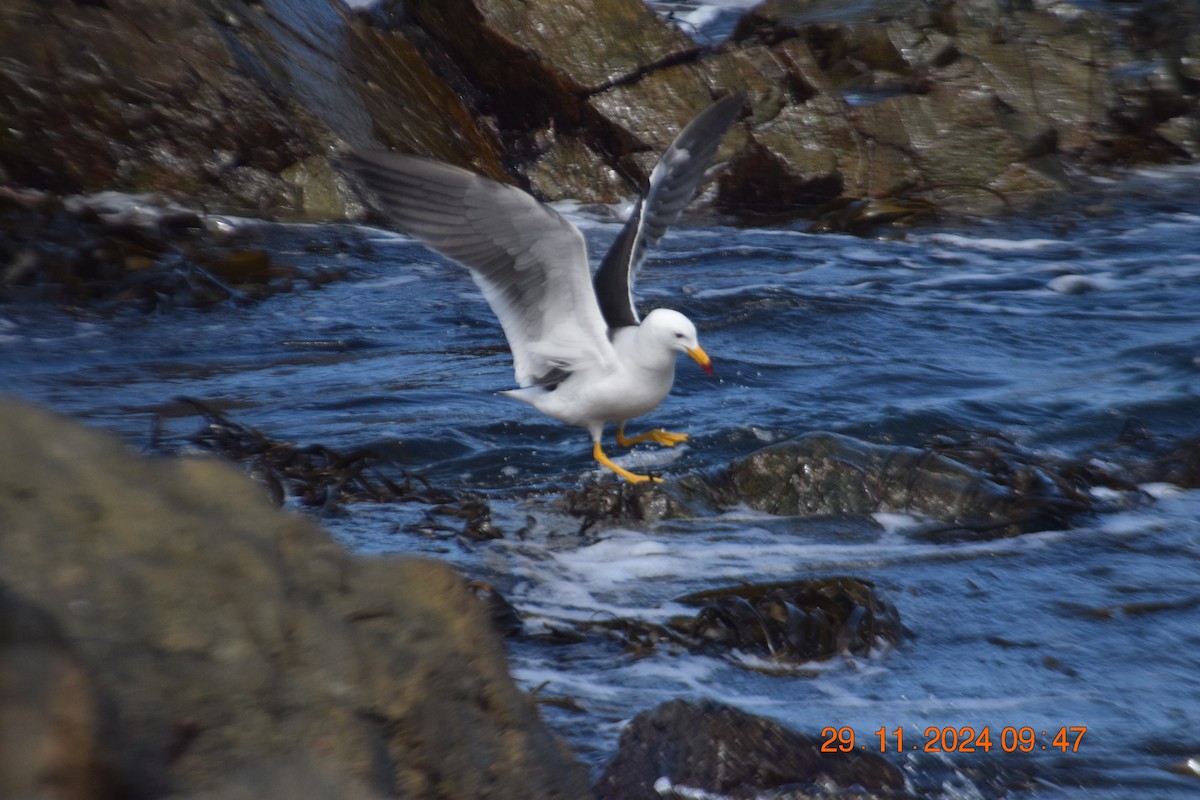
(678,335)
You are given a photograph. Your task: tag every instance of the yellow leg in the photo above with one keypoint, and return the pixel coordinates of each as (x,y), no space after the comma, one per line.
(598,454)
(665,438)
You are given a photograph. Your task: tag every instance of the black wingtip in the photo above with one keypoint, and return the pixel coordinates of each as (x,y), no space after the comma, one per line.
(662,206)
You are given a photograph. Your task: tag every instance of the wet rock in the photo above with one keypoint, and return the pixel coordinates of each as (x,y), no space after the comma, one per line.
(645,502)
(947,99)
(504,616)
(972,483)
(1179,465)
(825,473)
(235,104)
(143,96)
(1168,31)
(797,621)
(970,104)
(522,44)
(551,74)
(241,650)
(315,475)
(565,165)
(771,627)
(913,97)
(111,253)
(411,96)
(324,480)
(1065,486)
(682,746)
(1147,457)
(52,726)
(324,193)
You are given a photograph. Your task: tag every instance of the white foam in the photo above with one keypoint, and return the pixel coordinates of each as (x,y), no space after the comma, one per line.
(383,236)
(1161,491)
(678,790)
(997,245)
(893,523)
(389,281)
(1082,284)
(560,681)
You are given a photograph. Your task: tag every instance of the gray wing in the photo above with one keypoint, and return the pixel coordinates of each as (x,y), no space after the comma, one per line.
(529,261)
(672,185)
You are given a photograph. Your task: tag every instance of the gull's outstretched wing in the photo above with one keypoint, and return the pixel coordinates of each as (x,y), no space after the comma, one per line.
(529,261)
(672,185)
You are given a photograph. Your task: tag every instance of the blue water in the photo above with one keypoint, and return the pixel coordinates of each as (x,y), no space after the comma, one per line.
(1053,329)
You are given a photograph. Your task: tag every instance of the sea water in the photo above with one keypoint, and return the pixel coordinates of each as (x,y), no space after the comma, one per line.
(1055,330)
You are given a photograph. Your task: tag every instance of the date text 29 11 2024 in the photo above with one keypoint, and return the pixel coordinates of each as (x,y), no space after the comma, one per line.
(1009,739)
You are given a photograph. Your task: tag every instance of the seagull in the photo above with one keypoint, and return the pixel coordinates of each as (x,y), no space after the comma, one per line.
(581,353)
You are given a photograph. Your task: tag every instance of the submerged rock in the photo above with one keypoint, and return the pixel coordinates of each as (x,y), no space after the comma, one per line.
(683,746)
(797,621)
(239,651)
(1150,458)
(764,627)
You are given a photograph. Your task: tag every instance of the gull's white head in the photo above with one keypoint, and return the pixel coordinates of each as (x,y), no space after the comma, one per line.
(676,332)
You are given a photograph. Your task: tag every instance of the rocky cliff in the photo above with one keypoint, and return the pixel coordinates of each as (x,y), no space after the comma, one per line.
(881,112)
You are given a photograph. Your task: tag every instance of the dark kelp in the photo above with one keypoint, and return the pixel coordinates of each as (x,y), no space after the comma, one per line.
(795,621)
(324,479)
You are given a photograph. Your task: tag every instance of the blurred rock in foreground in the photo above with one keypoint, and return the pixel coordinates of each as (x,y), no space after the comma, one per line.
(164,630)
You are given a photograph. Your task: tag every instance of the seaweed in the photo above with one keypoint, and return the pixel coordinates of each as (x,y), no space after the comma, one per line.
(324,479)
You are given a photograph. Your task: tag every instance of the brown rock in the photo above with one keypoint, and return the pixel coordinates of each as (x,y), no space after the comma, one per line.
(51,731)
(144,96)
(412,108)
(512,45)
(238,644)
(966,105)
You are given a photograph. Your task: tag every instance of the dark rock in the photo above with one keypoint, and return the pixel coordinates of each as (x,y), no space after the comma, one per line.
(778,625)
(520,45)
(317,476)
(1180,465)
(142,96)
(1061,485)
(824,473)
(608,500)
(139,254)
(550,75)
(505,618)
(798,621)
(720,749)
(973,485)
(967,104)
(1150,458)
(242,651)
